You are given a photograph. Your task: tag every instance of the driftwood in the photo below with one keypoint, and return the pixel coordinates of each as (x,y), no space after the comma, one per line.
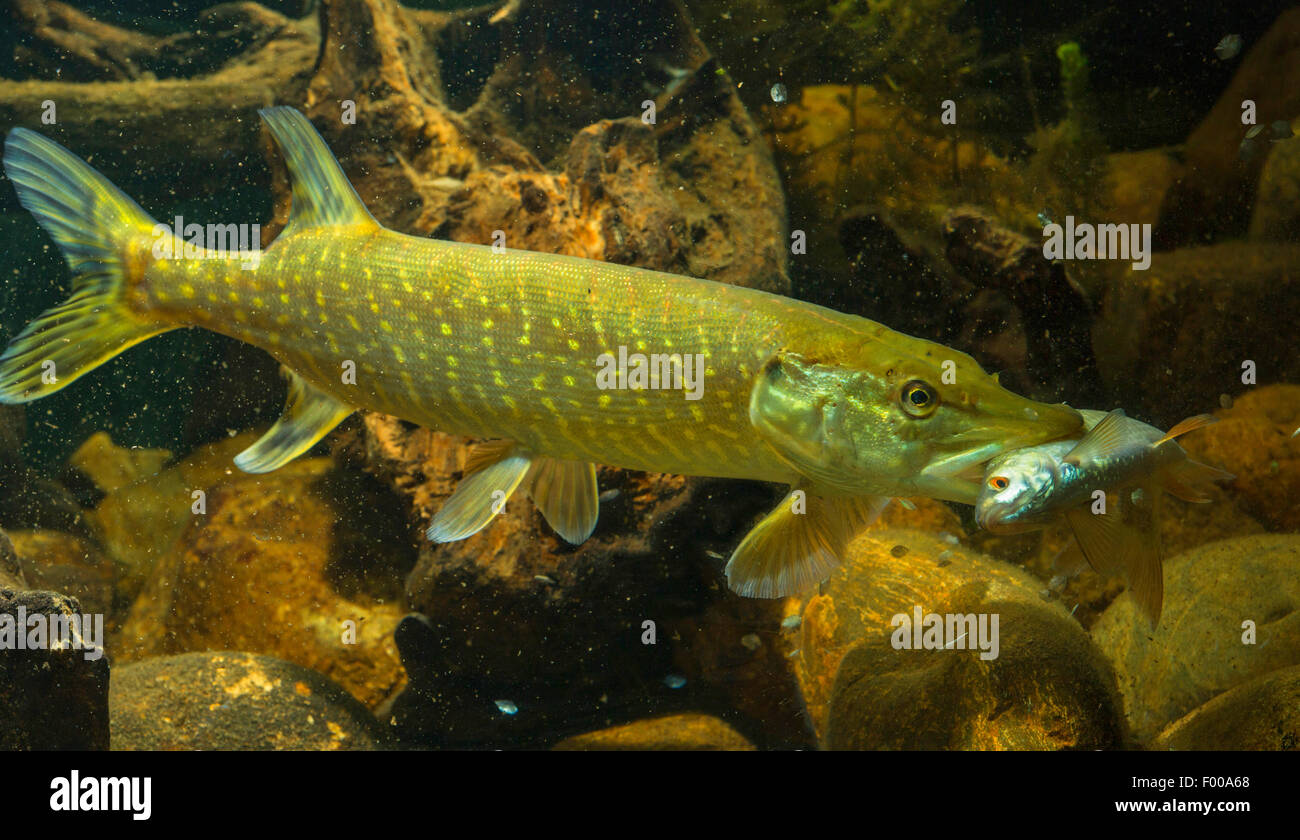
(1056,314)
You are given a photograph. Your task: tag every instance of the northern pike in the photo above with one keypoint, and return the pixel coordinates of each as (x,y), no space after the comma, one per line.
(1031,488)
(513,346)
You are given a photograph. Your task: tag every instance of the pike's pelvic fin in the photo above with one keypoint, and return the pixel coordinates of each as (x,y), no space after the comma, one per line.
(564,491)
(96,227)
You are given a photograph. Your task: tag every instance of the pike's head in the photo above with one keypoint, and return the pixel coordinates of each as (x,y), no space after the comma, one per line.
(898,417)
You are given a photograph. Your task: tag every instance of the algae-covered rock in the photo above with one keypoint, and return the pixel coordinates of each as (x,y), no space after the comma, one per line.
(66,563)
(234,701)
(1048,688)
(53,696)
(147,505)
(279,565)
(1201,648)
(1255,442)
(841,647)
(11,571)
(1192,319)
(673,732)
(1263,714)
(1276,215)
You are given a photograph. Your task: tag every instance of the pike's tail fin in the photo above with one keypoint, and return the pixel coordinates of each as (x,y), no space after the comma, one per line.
(96,226)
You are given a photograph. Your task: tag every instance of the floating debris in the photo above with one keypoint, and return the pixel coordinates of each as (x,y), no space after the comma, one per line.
(898,550)
(1044,218)
(546,579)
(751,641)
(1280,130)
(1228,47)
(779,93)
(943,558)
(506,707)
(674,681)
(609,495)
(715,555)
(790,622)
(950,539)
(1225,401)
(905,504)
(1296,432)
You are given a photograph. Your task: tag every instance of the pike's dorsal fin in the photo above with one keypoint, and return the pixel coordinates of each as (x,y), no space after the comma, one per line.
(798,544)
(1200,421)
(492,472)
(566,494)
(309,414)
(1109,436)
(322,194)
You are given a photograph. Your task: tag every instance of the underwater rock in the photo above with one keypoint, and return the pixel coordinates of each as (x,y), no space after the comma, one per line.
(1216,189)
(1254,442)
(234,701)
(1276,215)
(1263,714)
(50,698)
(11,571)
(303,564)
(1048,688)
(1203,646)
(112,467)
(850,674)
(1194,317)
(147,506)
(1136,183)
(69,564)
(673,732)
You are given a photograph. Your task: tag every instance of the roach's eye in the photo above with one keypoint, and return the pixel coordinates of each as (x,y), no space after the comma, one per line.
(918,399)
(999,482)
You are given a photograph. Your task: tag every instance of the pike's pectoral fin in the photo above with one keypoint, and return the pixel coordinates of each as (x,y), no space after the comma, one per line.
(321,193)
(1110,544)
(566,494)
(798,544)
(309,414)
(492,472)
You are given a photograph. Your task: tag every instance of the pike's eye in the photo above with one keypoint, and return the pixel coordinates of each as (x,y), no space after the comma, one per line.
(918,399)
(998,482)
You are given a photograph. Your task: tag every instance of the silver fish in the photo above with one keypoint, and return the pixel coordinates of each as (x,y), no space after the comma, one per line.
(1030,488)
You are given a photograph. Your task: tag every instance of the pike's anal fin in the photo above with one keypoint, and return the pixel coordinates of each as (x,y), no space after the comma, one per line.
(309,414)
(567,495)
(798,544)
